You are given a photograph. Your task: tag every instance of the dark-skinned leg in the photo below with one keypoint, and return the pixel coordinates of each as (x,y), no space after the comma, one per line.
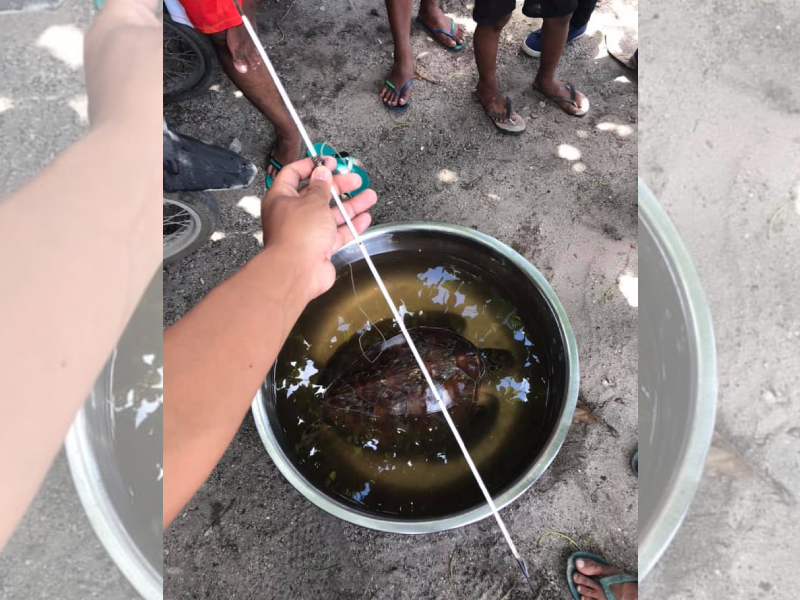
(433,16)
(403,69)
(258,87)
(486,41)
(554,36)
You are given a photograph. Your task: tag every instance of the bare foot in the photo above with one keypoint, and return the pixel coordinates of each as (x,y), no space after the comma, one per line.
(286,150)
(433,17)
(402,71)
(556,88)
(588,587)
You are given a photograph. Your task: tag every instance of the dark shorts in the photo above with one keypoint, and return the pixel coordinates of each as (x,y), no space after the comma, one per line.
(488,12)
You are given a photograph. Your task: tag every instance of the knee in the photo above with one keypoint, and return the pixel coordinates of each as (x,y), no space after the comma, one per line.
(497,26)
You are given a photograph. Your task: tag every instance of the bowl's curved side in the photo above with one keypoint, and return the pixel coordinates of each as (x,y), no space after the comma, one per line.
(551,447)
(681,484)
(99,507)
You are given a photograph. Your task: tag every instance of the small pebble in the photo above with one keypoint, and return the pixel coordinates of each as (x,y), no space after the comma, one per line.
(768,396)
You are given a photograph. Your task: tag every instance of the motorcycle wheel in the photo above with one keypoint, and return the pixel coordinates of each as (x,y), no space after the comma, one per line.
(190,218)
(190,63)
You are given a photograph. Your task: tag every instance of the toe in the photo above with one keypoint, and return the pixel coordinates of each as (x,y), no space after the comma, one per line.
(585,581)
(593,569)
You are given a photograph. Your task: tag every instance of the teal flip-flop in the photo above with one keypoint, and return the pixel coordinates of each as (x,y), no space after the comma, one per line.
(605,582)
(635,463)
(435,33)
(278,166)
(344,164)
(406,86)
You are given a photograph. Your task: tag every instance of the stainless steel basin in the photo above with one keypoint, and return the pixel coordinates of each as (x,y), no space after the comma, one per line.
(527,287)
(677,381)
(115,452)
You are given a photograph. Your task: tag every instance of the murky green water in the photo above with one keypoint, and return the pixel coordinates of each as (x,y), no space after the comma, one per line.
(401,464)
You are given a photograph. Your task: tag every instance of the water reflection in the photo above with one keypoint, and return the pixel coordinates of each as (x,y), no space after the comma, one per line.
(408,462)
(512,389)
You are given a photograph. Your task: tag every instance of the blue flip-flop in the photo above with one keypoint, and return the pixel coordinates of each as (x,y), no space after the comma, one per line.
(605,582)
(435,33)
(406,86)
(270,179)
(635,463)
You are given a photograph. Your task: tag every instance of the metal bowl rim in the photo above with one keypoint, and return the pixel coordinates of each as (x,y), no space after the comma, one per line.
(676,503)
(102,516)
(538,467)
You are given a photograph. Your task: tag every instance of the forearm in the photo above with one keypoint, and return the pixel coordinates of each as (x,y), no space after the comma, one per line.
(74,260)
(217,357)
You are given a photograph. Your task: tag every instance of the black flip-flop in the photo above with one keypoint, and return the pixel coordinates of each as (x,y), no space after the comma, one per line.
(509,127)
(452,35)
(406,86)
(572,99)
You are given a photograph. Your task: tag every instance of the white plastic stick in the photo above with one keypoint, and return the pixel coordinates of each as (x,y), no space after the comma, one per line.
(357,239)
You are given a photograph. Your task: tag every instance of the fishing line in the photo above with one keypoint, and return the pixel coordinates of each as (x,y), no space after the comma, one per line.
(360,243)
(369,321)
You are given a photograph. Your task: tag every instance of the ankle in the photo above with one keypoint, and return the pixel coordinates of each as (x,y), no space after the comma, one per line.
(429,9)
(544,80)
(403,57)
(287,133)
(488,85)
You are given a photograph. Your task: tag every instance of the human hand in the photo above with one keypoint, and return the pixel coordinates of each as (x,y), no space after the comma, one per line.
(123,62)
(244,53)
(305,227)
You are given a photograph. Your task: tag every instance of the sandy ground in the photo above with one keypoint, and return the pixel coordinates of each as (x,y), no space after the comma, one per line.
(563,194)
(721,150)
(54,552)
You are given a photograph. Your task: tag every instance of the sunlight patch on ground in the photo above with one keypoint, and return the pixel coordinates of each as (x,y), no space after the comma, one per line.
(620,130)
(237,94)
(65,43)
(447,176)
(251,205)
(493,196)
(217,236)
(466,22)
(259,236)
(5,104)
(582,134)
(629,287)
(568,152)
(579,167)
(80,104)
(622,79)
(622,20)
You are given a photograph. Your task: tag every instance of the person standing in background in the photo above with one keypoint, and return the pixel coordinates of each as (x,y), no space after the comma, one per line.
(240,60)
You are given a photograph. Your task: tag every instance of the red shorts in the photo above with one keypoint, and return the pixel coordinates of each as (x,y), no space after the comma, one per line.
(212,16)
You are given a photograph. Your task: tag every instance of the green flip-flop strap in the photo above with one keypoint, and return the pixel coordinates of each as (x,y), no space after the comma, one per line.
(390,85)
(607,582)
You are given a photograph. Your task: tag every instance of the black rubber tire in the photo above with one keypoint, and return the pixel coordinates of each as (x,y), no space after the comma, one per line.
(202,48)
(207,209)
